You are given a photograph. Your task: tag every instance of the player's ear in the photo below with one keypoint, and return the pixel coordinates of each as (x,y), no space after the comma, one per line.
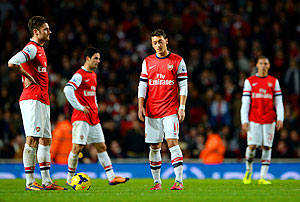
(35,31)
(167,40)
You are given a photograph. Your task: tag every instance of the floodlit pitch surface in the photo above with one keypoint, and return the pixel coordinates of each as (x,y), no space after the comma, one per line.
(138,190)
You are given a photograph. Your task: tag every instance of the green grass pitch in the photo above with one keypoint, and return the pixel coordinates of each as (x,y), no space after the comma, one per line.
(138,190)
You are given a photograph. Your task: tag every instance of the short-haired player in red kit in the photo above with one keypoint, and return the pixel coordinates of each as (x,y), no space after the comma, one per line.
(80,91)
(163,74)
(261,95)
(31,63)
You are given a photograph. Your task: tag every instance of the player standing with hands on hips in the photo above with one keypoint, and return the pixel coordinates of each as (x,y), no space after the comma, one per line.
(31,63)
(258,117)
(162,75)
(80,91)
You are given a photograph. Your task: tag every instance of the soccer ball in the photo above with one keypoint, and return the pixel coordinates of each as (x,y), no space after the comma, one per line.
(81,181)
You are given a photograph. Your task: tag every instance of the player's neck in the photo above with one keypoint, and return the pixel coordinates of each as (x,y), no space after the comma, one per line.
(262,74)
(87,67)
(37,40)
(164,54)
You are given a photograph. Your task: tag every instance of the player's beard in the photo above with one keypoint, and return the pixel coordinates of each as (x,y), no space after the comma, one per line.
(45,38)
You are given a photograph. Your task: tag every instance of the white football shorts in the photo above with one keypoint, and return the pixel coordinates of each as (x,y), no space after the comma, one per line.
(84,133)
(157,129)
(36,118)
(261,134)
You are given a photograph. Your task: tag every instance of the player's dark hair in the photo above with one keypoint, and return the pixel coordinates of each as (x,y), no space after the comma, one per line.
(158,32)
(35,23)
(90,52)
(262,57)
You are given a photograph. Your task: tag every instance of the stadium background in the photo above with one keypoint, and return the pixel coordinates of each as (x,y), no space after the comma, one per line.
(219,41)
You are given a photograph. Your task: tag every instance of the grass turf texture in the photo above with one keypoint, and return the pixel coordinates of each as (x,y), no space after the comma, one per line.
(138,190)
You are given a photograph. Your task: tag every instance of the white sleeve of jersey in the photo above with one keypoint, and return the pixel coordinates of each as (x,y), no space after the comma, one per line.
(143,84)
(70,95)
(96,101)
(278,102)
(27,54)
(246,100)
(75,81)
(17,59)
(30,51)
(182,78)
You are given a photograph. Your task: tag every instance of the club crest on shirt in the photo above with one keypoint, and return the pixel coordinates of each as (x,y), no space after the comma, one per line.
(81,137)
(270,84)
(37,129)
(170,67)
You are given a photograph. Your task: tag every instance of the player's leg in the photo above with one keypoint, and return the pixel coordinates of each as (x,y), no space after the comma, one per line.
(80,131)
(29,160)
(44,160)
(171,129)
(265,163)
(32,138)
(268,136)
(154,136)
(43,153)
(249,156)
(253,138)
(155,164)
(96,137)
(73,161)
(177,162)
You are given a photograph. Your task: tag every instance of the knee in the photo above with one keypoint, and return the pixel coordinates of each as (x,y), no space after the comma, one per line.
(100,147)
(172,142)
(76,148)
(252,147)
(32,141)
(45,141)
(266,148)
(155,146)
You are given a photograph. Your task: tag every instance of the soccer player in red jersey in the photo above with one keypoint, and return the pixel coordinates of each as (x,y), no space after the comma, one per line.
(162,75)
(80,91)
(31,63)
(259,119)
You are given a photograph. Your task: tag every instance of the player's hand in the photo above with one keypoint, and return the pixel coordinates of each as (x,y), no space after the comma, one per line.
(28,81)
(279,125)
(245,127)
(86,109)
(181,115)
(141,113)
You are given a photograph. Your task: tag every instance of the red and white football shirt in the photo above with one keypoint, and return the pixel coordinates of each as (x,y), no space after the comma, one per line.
(85,84)
(262,91)
(36,66)
(162,76)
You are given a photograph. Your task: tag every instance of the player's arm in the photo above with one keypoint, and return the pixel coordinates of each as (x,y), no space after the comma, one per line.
(278,106)
(182,78)
(246,100)
(27,54)
(69,91)
(142,91)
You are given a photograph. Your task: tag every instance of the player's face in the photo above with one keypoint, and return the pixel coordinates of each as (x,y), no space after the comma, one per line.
(263,66)
(44,32)
(94,61)
(159,43)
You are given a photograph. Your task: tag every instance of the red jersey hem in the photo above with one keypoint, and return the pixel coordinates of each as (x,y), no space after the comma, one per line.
(159,117)
(46,103)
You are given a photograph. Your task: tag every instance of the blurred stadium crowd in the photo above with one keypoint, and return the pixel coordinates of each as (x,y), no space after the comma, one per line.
(219,41)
